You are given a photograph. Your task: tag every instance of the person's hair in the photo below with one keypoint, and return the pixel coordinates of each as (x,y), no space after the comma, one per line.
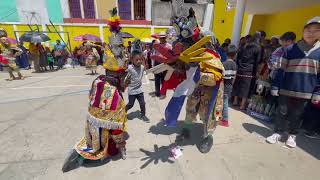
(248,37)
(263,34)
(58,40)
(136,53)
(288,36)
(227,40)
(268,41)
(224,45)
(231,51)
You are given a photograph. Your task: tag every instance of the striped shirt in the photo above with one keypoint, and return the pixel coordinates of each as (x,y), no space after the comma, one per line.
(299,72)
(230,71)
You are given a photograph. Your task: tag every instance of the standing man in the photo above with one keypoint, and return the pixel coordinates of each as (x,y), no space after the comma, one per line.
(58,53)
(159,78)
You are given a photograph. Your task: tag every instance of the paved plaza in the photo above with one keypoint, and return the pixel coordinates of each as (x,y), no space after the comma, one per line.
(42,117)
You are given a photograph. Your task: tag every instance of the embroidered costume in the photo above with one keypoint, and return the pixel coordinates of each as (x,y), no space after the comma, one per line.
(193,53)
(9,55)
(105,128)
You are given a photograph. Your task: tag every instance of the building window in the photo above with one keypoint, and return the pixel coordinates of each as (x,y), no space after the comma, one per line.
(75,8)
(124,9)
(139,9)
(89,9)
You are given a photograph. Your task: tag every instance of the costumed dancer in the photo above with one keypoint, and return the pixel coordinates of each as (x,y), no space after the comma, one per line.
(9,55)
(193,51)
(105,129)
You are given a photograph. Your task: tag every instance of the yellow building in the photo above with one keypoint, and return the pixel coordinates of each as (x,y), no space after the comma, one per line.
(275,17)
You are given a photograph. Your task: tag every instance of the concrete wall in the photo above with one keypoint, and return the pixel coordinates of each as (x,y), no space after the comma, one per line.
(25,7)
(279,23)
(8,11)
(223,21)
(162,12)
(54,9)
(104,6)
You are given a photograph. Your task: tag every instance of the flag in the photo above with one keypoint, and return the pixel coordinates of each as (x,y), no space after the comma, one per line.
(183,90)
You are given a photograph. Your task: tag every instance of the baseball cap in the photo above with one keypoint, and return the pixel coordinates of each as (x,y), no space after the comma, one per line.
(162,34)
(315,20)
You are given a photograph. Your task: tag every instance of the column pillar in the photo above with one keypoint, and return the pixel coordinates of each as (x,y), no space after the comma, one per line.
(148,10)
(132,9)
(237,26)
(81,8)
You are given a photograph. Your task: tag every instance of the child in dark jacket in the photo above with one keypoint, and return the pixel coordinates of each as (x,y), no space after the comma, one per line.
(230,71)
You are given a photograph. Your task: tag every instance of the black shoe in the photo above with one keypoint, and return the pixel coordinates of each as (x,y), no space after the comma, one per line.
(185,134)
(206,145)
(144,118)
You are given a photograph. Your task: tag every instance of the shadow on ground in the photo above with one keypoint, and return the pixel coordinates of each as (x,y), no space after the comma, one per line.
(73,161)
(163,153)
(133,115)
(311,146)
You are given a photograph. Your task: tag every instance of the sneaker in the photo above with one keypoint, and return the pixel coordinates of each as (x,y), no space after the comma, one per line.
(291,142)
(274,138)
(312,135)
(224,123)
(144,118)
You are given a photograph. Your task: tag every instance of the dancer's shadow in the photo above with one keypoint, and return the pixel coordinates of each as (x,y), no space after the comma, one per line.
(73,161)
(159,154)
(163,153)
(133,115)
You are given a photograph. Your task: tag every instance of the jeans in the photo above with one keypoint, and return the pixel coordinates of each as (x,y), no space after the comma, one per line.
(158,80)
(60,61)
(225,113)
(311,118)
(289,114)
(140,98)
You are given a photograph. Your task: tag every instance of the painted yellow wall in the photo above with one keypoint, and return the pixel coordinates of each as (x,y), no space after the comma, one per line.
(137,32)
(9,30)
(224,30)
(104,6)
(279,23)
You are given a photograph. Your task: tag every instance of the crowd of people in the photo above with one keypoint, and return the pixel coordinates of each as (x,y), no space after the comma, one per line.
(290,69)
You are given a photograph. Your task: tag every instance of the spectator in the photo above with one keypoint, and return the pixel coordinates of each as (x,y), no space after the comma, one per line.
(296,83)
(248,38)
(159,78)
(248,59)
(230,68)
(221,52)
(135,91)
(59,51)
(22,60)
(242,42)
(287,39)
(43,61)
(34,56)
(275,43)
(227,41)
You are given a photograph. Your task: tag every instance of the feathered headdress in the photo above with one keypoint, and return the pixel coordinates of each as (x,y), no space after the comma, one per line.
(114,21)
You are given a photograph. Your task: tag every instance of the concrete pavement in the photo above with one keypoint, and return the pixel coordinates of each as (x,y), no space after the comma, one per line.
(42,117)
